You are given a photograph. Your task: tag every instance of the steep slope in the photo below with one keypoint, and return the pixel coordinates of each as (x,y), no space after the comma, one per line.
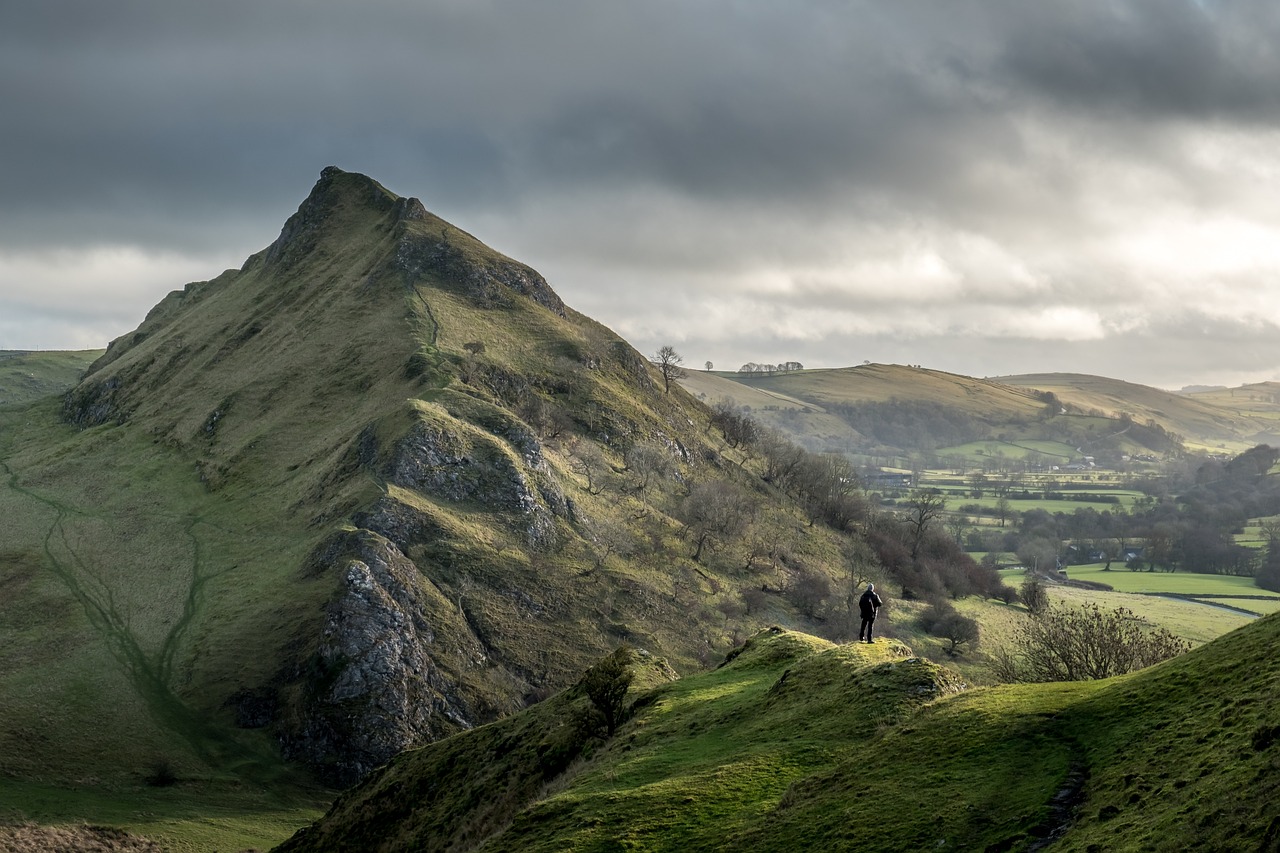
(798,745)
(377,486)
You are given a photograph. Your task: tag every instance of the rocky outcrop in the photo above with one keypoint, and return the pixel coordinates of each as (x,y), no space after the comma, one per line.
(489,283)
(446,462)
(374,686)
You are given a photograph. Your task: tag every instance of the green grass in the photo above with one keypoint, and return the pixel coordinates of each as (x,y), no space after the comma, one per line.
(799,745)
(188,817)
(1178,583)
(28,376)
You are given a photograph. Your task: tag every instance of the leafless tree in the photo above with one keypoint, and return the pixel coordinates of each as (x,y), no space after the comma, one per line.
(923,507)
(590,463)
(713,512)
(668,362)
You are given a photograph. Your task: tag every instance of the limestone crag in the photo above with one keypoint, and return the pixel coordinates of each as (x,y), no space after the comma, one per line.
(376,687)
(461,465)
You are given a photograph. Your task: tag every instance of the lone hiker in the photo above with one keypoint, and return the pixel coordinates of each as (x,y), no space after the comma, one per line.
(868,604)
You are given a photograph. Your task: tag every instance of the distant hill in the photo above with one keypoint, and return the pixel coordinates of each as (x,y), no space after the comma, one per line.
(1215,420)
(795,744)
(878,410)
(27,376)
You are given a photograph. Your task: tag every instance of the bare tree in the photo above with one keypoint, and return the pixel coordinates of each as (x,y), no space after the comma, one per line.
(647,462)
(668,362)
(590,463)
(923,508)
(715,511)
(609,539)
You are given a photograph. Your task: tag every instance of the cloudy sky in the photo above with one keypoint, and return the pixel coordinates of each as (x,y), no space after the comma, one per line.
(979,186)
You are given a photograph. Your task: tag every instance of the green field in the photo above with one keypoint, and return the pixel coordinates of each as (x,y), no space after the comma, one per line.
(1189,605)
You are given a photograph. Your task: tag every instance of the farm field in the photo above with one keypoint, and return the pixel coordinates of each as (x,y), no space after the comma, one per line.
(1239,592)
(1187,604)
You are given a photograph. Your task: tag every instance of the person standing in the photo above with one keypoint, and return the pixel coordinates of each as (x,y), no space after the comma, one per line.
(868,605)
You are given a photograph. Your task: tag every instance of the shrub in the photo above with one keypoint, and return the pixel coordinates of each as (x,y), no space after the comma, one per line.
(606,685)
(940,619)
(1033,595)
(1084,643)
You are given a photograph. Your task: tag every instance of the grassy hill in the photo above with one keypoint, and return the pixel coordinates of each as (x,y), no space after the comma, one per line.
(28,376)
(805,422)
(796,744)
(831,410)
(1232,420)
(378,486)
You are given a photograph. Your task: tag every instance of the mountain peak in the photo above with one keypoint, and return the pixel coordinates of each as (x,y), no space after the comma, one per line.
(332,201)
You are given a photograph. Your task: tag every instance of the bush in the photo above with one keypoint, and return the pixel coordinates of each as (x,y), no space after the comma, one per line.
(1084,643)
(1034,596)
(942,620)
(606,685)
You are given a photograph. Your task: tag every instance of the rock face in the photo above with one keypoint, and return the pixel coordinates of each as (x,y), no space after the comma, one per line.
(447,463)
(373,686)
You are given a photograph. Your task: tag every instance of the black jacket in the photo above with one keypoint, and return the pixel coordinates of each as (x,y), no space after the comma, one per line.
(868,604)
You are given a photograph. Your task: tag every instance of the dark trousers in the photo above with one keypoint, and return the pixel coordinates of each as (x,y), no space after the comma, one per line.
(865,631)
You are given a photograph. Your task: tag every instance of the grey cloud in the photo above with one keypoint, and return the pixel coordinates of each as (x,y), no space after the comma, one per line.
(693,156)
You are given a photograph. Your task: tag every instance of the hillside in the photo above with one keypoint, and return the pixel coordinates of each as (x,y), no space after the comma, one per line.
(375,487)
(1233,419)
(795,744)
(883,411)
(28,376)
(805,422)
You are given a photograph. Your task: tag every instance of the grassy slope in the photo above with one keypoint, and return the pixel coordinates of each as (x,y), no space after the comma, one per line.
(806,422)
(1217,421)
(881,382)
(107,578)
(1230,419)
(797,744)
(28,376)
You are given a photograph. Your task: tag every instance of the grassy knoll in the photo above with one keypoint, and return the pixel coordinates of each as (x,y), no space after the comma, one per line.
(796,744)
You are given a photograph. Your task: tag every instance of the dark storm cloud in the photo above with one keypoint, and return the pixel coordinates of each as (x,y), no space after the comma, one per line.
(731,175)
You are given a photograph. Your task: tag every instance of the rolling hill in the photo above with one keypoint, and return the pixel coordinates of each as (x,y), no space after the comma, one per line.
(881,410)
(28,376)
(1231,419)
(796,744)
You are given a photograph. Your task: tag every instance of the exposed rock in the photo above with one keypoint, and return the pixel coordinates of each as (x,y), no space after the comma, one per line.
(488,283)
(92,403)
(436,461)
(373,687)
